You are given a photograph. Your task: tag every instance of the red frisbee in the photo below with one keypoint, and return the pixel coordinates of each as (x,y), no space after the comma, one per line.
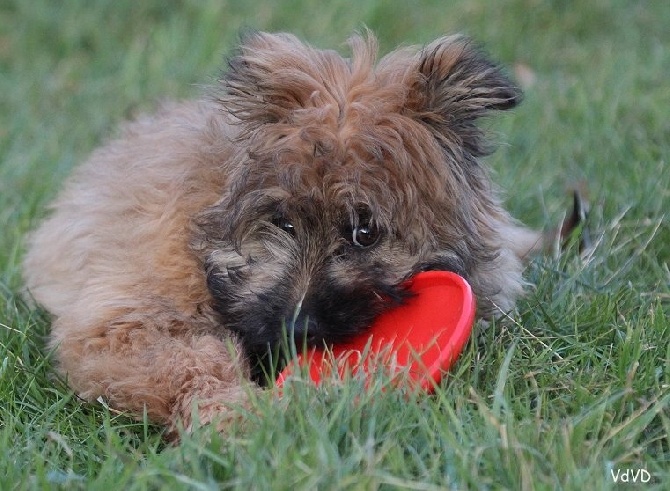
(422,337)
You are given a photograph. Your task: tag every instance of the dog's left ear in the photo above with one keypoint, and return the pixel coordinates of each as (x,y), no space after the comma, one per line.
(455,84)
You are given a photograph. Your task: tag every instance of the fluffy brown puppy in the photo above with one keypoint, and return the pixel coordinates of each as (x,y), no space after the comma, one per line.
(301,194)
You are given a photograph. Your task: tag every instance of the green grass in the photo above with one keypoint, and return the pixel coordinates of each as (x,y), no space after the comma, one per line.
(574,385)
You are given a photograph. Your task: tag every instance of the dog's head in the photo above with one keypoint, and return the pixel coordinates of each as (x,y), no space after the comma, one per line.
(351,176)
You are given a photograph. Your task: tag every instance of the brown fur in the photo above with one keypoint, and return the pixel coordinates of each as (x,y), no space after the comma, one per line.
(176,252)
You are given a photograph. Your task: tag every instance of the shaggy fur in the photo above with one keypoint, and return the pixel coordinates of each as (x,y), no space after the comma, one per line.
(302,194)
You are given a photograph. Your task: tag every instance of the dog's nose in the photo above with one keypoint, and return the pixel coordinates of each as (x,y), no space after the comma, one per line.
(302,327)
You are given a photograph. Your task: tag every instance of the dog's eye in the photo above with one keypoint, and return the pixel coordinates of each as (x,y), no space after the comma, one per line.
(364,235)
(284,224)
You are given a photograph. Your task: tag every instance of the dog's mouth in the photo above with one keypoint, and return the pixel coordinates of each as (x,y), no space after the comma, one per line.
(323,325)
(445,262)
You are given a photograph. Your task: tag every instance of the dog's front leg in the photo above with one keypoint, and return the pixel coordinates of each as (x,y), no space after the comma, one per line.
(164,365)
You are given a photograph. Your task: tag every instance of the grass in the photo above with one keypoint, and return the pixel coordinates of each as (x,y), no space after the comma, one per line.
(572,387)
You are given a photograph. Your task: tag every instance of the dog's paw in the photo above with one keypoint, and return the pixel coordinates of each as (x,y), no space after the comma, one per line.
(224,411)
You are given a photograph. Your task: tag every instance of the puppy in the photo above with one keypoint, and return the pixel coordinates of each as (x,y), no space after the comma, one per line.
(298,196)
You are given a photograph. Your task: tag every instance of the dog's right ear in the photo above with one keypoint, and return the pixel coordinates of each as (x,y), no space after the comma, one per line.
(451,85)
(249,89)
(269,77)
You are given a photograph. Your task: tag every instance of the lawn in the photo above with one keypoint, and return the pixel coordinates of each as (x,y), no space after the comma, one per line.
(570,391)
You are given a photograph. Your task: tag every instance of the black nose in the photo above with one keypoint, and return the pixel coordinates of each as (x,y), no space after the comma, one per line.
(302,327)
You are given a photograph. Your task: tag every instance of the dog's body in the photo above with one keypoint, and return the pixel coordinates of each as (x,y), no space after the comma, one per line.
(306,193)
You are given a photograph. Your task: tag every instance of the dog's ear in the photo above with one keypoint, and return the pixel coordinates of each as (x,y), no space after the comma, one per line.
(271,76)
(453,84)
